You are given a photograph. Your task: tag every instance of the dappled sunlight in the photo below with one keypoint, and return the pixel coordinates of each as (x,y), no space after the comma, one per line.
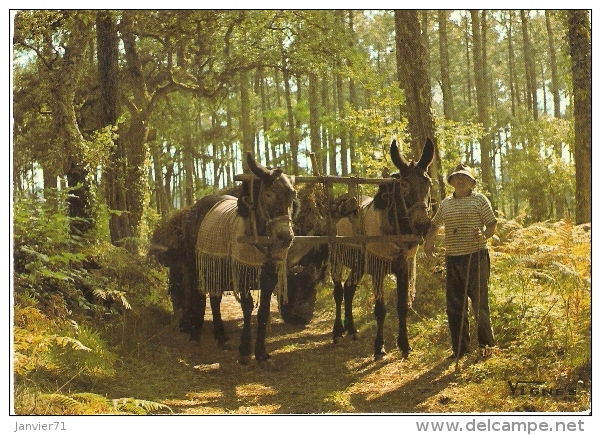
(383,380)
(259,409)
(254,390)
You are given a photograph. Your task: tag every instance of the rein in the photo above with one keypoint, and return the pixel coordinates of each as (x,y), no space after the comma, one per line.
(407,211)
(263,215)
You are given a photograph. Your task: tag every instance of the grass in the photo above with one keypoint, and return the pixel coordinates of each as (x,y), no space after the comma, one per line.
(541,317)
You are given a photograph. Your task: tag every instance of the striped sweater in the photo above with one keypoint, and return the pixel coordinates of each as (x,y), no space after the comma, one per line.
(459,216)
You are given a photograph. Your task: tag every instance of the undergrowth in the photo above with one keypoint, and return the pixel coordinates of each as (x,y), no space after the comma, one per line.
(84,309)
(67,290)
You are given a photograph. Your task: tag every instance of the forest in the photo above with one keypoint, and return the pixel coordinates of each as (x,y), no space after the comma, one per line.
(121,118)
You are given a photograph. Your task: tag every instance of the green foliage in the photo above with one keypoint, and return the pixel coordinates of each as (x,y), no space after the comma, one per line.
(67,288)
(374,127)
(544,271)
(91,403)
(452,138)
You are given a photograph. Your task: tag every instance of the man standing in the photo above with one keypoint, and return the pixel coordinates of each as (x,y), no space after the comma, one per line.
(468,220)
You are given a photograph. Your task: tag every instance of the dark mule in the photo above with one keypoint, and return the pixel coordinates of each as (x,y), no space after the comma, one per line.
(402,207)
(173,244)
(215,262)
(307,262)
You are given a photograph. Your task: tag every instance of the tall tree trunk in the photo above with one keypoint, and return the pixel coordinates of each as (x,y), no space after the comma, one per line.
(445,80)
(579,34)
(188,162)
(247,136)
(467,61)
(513,82)
(264,114)
(529,66)
(413,77)
(63,83)
(327,135)
(135,134)
(352,95)
(424,25)
(482,101)
(483,43)
(553,59)
(314,120)
(163,207)
(107,52)
(291,125)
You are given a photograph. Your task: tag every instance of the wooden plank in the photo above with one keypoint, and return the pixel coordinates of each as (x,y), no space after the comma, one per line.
(316,240)
(327,179)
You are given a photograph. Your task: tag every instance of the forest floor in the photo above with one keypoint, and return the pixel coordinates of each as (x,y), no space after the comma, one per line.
(314,375)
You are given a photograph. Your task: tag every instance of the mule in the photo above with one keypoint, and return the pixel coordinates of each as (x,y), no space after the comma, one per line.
(216,262)
(173,245)
(400,208)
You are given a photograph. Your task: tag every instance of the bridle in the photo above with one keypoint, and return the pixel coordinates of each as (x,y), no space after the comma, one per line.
(391,199)
(264,215)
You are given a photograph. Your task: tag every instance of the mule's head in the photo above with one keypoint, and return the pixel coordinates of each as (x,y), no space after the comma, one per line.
(275,203)
(409,198)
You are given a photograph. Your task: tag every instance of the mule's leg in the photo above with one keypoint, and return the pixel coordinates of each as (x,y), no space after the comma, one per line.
(380,314)
(338,298)
(268,281)
(349,294)
(195,313)
(218,329)
(402,308)
(245,348)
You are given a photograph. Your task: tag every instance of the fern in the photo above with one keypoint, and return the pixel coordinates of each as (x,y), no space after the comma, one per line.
(112,296)
(67,404)
(138,406)
(75,344)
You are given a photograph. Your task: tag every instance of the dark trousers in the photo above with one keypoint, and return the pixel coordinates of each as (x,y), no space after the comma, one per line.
(477,291)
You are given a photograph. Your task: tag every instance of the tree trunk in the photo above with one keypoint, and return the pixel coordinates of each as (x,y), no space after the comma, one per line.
(291,125)
(529,67)
(134,136)
(328,143)
(445,80)
(263,114)
(63,82)
(341,128)
(352,96)
(114,171)
(314,121)
(467,66)
(482,101)
(513,86)
(579,34)
(554,80)
(413,77)
(247,136)
(484,61)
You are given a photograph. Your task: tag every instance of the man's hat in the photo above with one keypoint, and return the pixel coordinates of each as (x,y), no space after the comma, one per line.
(462,169)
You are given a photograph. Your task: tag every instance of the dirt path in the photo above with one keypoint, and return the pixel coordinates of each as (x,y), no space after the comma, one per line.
(314,376)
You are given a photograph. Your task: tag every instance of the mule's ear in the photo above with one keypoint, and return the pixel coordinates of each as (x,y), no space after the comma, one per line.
(259,170)
(397,158)
(427,155)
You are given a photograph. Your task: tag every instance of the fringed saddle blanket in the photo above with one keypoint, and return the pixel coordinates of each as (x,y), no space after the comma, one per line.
(378,256)
(225,264)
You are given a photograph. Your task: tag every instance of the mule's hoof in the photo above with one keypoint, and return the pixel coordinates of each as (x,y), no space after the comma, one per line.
(337,339)
(268,365)
(378,356)
(404,354)
(244,360)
